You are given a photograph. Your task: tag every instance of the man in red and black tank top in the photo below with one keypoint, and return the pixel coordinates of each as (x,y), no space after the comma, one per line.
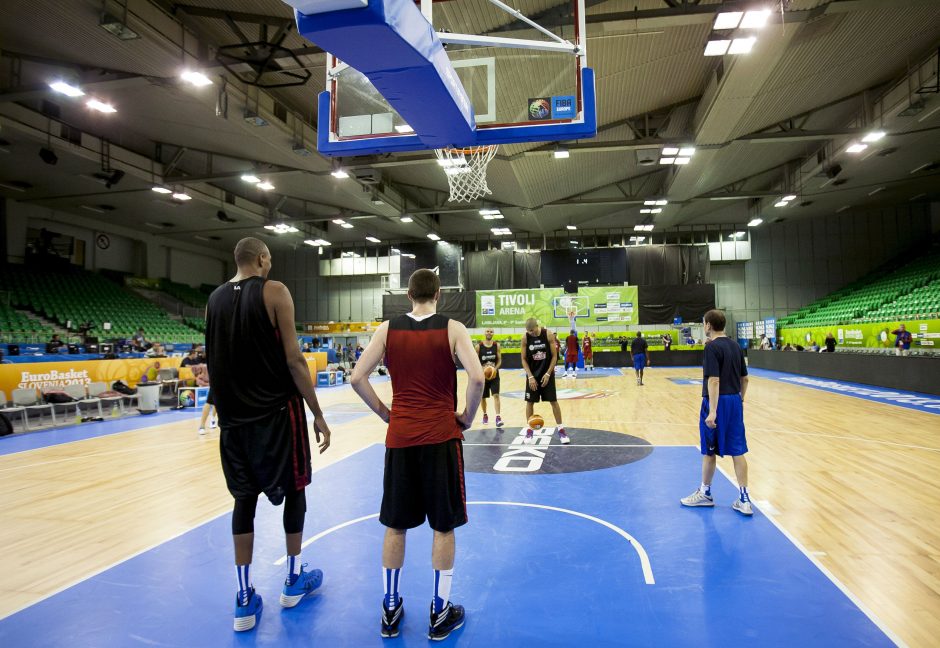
(424,476)
(539,357)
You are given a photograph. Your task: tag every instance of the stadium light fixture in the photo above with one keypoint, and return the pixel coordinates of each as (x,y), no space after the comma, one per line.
(742,45)
(67,89)
(670,151)
(681,161)
(253,179)
(789,197)
(656,210)
(662,202)
(501,231)
(856,148)
(736,235)
(161,189)
(781,203)
(667,160)
(717,47)
(373,239)
(182,197)
(571,227)
(637,239)
(433,236)
(755,222)
(265,186)
(727,20)
(100,106)
(873,136)
(317,242)
(406,219)
(755,19)
(347,225)
(561,153)
(195,78)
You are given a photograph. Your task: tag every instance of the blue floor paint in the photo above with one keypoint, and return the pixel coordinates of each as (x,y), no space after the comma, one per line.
(528,577)
(907,399)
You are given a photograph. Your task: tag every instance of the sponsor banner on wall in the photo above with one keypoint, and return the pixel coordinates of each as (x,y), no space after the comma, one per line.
(877,335)
(340,327)
(607,305)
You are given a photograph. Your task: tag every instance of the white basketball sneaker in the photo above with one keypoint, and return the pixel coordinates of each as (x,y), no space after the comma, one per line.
(744,508)
(698,498)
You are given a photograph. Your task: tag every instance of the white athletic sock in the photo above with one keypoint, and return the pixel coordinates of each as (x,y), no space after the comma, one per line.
(244,582)
(706,489)
(293,568)
(442,580)
(391,580)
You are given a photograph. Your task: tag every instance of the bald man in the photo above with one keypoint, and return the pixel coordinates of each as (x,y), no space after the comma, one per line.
(260,382)
(539,357)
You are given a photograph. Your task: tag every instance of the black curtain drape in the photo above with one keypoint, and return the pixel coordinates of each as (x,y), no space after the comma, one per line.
(502,270)
(661,304)
(460,306)
(668,265)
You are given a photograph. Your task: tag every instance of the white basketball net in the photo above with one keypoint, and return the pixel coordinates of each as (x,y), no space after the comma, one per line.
(466,171)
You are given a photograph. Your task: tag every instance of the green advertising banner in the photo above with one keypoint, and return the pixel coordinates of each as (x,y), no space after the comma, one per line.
(592,306)
(877,335)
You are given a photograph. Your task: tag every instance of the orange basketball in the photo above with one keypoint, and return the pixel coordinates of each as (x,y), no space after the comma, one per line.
(489,372)
(536,422)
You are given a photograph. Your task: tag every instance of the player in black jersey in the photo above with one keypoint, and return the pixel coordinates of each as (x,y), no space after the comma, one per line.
(490,355)
(539,357)
(260,382)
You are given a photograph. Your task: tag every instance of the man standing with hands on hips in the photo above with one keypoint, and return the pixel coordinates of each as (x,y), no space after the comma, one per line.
(721,423)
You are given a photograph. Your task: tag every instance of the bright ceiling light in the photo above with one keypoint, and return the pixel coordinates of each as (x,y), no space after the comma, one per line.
(347,225)
(100,106)
(573,242)
(648,210)
(717,47)
(667,160)
(682,160)
(317,242)
(637,239)
(197,79)
(488,212)
(496,216)
(452,162)
(662,202)
(755,222)
(433,236)
(856,148)
(161,190)
(571,227)
(253,179)
(339,221)
(501,231)
(404,129)
(282,228)
(782,203)
(643,228)
(265,186)
(789,197)
(339,173)
(670,150)
(728,20)
(372,239)
(742,45)
(873,136)
(687,151)
(407,219)
(735,235)
(67,89)
(561,153)
(657,210)
(755,19)
(179,195)
(649,202)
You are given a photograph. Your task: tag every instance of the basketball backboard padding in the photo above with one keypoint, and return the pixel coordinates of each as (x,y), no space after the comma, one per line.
(394,45)
(584,128)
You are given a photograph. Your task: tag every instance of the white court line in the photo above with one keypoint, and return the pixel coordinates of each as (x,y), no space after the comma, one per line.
(153,546)
(641,552)
(591,445)
(812,557)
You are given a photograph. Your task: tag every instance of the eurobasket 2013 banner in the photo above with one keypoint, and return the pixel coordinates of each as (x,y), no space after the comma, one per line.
(616,305)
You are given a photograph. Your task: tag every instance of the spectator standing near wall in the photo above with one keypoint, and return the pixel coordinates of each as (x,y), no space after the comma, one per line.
(830,343)
(902,341)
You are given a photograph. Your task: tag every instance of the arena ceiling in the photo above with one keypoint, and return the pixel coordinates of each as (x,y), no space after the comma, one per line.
(772,123)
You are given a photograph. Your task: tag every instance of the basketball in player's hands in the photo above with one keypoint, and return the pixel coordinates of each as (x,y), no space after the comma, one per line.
(489,372)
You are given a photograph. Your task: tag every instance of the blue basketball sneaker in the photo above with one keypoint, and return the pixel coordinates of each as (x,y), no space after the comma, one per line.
(304,584)
(248,615)
(445,622)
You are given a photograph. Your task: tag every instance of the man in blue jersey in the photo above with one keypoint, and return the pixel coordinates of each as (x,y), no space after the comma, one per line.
(721,424)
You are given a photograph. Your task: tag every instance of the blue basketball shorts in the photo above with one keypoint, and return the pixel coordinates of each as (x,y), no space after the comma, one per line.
(727,438)
(639,361)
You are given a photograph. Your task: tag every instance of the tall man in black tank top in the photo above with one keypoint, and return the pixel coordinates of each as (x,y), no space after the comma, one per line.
(260,382)
(489,354)
(539,357)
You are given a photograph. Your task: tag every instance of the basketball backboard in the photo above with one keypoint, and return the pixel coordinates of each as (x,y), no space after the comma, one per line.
(523,82)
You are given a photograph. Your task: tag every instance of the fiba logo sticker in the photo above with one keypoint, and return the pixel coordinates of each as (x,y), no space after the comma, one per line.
(488,304)
(489,451)
(540,109)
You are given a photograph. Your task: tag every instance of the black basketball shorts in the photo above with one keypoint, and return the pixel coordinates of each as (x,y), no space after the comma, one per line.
(546,393)
(491,387)
(424,481)
(270,456)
